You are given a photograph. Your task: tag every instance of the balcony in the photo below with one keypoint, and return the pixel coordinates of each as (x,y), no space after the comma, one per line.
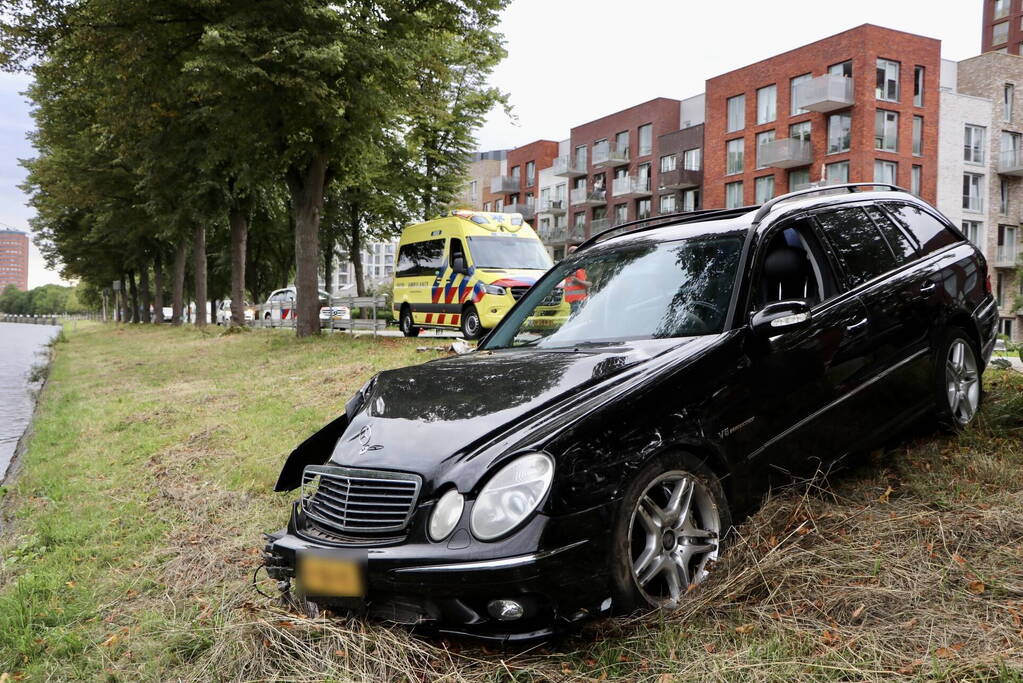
(526,208)
(825,93)
(504,184)
(1011,162)
(599,225)
(606,157)
(555,207)
(631,186)
(785,153)
(582,197)
(570,166)
(679,179)
(554,235)
(1006,256)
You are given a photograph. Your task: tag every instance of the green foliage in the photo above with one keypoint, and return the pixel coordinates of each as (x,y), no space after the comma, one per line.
(44,300)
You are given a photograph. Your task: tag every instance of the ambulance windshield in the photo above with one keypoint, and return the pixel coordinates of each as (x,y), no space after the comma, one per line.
(509,253)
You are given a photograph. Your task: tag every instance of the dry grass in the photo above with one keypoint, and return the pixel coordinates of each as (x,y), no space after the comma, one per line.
(908,564)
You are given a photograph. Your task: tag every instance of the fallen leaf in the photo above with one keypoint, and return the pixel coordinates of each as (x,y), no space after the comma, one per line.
(944,653)
(858,611)
(910,624)
(709,648)
(830,638)
(911,667)
(745,628)
(976,587)
(883,498)
(959,559)
(112,640)
(665,678)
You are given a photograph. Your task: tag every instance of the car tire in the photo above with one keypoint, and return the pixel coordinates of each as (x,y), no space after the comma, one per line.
(471,325)
(654,562)
(958,381)
(406,324)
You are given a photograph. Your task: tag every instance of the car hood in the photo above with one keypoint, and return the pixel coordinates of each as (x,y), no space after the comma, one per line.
(428,418)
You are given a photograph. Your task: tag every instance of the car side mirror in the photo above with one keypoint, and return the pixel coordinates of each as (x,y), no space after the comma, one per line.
(458,265)
(779,317)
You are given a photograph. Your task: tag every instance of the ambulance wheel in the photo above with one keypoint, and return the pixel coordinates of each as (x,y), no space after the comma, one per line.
(472,326)
(405,322)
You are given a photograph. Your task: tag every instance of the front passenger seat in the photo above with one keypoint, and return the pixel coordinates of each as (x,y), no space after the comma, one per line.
(786,275)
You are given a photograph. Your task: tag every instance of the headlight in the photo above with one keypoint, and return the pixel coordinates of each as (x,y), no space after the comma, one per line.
(511,495)
(494,289)
(446,514)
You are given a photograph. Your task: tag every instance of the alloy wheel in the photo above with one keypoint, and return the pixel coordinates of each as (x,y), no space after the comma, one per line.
(674,533)
(962,381)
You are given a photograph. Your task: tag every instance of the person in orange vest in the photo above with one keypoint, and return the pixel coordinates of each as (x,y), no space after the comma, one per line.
(576,287)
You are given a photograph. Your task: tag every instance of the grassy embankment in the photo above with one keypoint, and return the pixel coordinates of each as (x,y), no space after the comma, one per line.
(134,527)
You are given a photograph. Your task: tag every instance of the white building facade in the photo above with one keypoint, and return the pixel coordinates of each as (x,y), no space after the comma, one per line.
(377,268)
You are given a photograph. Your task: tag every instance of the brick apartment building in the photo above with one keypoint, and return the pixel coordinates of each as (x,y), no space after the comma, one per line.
(13,259)
(1002,30)
(860,106)
(517,191)
(613,166)
(981,168)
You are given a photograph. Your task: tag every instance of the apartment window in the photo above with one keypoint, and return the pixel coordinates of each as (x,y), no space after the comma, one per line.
(486,207)
(530,172)
(973,144)
(763,139)
(836,173)
(764,187)
(1003,196)
(1000,291)
(1012,148)
(887,80)
(579,184)
(1001,9)
(643,173)
(1008,101)
(545,226)
(474,190)
(839,126)
(559,191)
(643,209)
(515,172)
(733,195)
(667,204)
(800,131)
(691,200)
(621,172)
(1005,328)
(918,86)
(545,195)
(734,150)
(600,182)
(499,205)
(886,131)
(580,156)
(668,162)
(736,113)
(841,69)
(621,213)
(622,142)
(973,231)
(599,215)
(579,219)
(646,139)
(767,104)
(972,196)
(886,172)
(918,136)
(915,179)
(799,179)
(692,159)
(793,109)
(1000,33)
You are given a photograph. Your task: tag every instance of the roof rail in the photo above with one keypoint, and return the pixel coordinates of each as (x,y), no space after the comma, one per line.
(652,222)
(771,203)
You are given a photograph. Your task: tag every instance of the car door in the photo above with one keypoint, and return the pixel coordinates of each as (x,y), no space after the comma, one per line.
(784,412)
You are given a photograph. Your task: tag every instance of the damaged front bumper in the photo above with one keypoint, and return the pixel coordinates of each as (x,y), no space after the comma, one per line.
(530,585)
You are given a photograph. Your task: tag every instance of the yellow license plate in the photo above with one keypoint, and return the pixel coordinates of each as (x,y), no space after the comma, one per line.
(331,576)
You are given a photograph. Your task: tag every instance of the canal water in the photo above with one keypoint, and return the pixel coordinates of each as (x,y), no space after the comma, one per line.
(21,347)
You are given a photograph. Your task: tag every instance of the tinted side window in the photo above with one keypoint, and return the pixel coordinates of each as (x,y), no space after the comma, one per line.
(862,251)
(904,248)
(420,258)
(927,229)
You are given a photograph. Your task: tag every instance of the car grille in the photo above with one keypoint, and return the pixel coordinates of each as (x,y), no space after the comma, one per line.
(552,299)
(517,292)
(354,501)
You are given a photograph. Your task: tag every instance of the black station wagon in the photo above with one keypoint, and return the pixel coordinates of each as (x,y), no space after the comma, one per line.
(591,461)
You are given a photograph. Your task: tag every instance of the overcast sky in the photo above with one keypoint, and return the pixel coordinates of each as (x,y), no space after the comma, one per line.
(570,61)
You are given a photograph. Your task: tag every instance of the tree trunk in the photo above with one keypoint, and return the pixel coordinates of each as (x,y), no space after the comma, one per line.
(134,297)
(306,189)
(356,254)
(238,217)
(147,299)
(178,285)
(199,266)
(157,290)
(328,268)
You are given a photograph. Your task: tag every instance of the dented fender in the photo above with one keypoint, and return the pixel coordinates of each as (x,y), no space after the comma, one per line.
(316,450)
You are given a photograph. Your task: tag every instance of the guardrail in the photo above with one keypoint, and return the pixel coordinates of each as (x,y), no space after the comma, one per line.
(339,318)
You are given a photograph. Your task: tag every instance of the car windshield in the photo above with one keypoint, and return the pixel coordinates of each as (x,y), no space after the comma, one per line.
(508,252)
(642,290)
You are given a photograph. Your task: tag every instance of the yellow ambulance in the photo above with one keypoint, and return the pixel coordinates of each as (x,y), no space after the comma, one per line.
(465,270)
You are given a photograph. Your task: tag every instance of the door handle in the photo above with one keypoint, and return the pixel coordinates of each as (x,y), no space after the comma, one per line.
(857,325)
(928,287)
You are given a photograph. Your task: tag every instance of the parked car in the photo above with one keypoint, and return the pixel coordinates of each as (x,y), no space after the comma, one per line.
(280,308)
(465,270)
(560,472)
(224,312)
